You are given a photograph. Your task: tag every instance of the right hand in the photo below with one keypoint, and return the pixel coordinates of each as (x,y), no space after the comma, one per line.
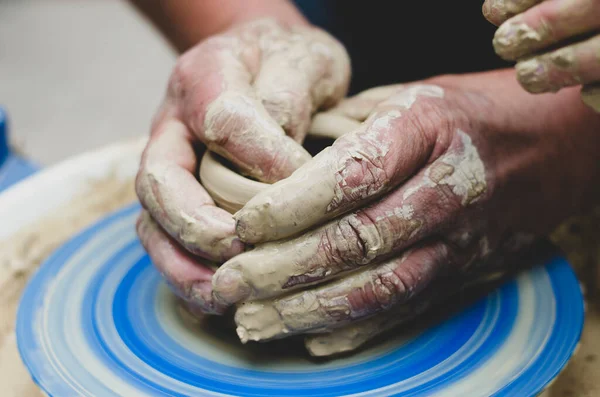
(247,94)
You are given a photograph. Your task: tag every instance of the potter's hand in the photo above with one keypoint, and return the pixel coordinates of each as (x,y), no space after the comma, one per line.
(247,94)
(442,180)
(557,43)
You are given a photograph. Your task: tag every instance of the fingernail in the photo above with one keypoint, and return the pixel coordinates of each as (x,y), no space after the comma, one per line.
(245,222)
(515,39)
(200,297)
(229,286)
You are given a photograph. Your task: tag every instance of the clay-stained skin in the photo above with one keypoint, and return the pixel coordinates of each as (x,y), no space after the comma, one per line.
(515,39)
(338,178)
(567,66)
(353,336)
(357,296)
(188,215)
(549,72)
(189,279)
(338,247)
(356,239)
(461,169)
(498,11)
(365,155)
(260,82)
(464,172)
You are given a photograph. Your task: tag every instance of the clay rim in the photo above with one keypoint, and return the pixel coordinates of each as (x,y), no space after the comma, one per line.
(231,191)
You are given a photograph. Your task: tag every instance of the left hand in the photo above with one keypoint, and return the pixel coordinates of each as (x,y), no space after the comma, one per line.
(556,43)
(443,179)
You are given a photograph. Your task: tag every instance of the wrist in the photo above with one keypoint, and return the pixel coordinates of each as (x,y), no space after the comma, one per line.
(186,23)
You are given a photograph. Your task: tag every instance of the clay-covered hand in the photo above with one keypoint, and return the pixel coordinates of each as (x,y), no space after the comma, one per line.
(442,180)
(556,43)
(247,94)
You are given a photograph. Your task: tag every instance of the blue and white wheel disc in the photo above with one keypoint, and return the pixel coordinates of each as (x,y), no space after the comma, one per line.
(97,320)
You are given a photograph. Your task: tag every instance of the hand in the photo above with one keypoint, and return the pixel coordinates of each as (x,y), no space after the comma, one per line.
(247,94)
(556,43)
(444,181)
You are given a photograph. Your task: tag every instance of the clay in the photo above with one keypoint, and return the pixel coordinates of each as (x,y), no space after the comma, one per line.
(231,190)
(22,253)
(323,178)
(227,188)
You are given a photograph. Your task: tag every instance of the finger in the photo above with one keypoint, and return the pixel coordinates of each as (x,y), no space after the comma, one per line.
(348,115)
(358,167)
(299,74)
(428,203)
(168,189)
(442,293)
(549,23)
(357,296)
(591,96)
(190,278)
(569,66)
(211,86)
(498,11)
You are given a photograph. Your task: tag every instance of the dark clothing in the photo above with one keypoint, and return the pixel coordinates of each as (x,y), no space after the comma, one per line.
(405,40)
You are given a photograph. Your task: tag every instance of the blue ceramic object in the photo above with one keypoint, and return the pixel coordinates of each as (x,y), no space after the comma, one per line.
(97,320)
(13,168)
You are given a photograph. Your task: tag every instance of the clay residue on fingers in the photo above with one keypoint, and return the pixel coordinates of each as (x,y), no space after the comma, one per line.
(359,295)
(549,72)
(498,11)
(271,268)
(338,179)
(333,249)
(237,126)
(461,169)
(258,321)
(170,192)
(515,39)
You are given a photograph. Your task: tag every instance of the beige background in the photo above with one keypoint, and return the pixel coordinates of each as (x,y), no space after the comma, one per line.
(78,74)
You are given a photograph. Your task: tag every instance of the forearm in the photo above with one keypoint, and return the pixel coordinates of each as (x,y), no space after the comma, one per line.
(186,22)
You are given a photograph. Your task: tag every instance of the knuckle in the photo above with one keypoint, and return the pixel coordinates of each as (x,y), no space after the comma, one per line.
(352,242)
(286,107)
(389,288)
(361,174)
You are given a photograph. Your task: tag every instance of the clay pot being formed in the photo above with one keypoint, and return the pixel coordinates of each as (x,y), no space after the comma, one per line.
(231,190)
